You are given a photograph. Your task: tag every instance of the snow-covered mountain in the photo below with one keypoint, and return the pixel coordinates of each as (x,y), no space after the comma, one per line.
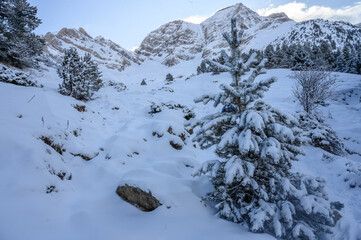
(174,41)
(318,30)
(178,40)
(105,52)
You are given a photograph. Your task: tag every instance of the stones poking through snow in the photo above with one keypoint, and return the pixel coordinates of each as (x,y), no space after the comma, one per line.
(50,142)
(80,108)
(157,108)
(51,188)
(177,138)
(137,197)
(86,157)
(176,145)
(166,89)
(118,86)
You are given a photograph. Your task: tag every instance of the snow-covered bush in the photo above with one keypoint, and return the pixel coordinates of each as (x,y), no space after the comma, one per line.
(256,144)
(320,134)
(312,88)
(16,77)
(353,175)
(81,76)
(118,86)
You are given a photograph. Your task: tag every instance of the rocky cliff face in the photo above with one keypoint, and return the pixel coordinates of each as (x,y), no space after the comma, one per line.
(174,41)
(103,51)
(179,40)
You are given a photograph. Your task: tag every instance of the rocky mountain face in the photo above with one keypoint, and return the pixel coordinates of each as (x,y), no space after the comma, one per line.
(103,51)
(256,28)
(174,41)
(179,40)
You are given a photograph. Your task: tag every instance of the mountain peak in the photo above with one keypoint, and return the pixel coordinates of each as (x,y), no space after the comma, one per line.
(79,33)
(180,39)
(103,51)
(281,16)
(246,18)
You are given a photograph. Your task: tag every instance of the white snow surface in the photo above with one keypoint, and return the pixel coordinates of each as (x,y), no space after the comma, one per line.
(117,130)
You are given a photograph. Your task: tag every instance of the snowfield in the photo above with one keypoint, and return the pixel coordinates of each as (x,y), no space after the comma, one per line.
(56,192)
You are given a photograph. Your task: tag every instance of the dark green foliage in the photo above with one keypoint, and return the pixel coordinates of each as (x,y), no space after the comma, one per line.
(81,76)
(169,78)
(16,77)
(256,145)
(311,56)
(18,44)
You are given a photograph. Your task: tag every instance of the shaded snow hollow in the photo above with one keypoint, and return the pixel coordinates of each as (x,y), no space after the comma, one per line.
(116,131)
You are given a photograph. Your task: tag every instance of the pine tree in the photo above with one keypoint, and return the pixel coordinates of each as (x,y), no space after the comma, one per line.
(256,145)
(69,72)
(81,76)
(18,44)
(269,54)
(91,75)
(301,58)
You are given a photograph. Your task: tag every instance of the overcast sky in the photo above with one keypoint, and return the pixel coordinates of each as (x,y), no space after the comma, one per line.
(127,22)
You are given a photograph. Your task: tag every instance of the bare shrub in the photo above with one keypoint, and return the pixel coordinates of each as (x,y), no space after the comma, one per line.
(313,88)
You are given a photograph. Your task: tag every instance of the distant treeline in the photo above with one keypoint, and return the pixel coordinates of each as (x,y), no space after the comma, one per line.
(303,56)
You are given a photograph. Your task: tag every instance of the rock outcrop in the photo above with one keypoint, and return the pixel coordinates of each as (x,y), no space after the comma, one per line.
(137,197)
(103,51)
(174,41)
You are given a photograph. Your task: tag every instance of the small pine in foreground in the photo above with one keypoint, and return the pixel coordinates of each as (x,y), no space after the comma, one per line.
(256,145)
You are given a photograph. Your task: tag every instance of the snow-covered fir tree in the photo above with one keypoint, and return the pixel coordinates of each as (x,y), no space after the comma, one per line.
(18,44)
(256,144)
(69,72)
(91,75)
(81,76)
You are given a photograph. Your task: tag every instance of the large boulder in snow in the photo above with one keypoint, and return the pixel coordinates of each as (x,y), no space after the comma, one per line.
(137,197)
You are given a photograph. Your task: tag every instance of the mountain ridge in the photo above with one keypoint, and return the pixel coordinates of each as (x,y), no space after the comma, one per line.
(178,40)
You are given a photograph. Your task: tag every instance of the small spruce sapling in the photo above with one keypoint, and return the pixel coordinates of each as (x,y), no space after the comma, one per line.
(169,78)
(256,144)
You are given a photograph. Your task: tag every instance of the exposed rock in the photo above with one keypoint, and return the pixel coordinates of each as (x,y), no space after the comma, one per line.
(176,145)
(178,39)
(143,82)
(281,17)
(137,197)
(103,51)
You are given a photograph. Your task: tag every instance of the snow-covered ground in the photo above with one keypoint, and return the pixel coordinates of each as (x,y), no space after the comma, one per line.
(123,139)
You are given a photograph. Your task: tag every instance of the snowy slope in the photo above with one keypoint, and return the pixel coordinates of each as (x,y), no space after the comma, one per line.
(103,51)
(116,131)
